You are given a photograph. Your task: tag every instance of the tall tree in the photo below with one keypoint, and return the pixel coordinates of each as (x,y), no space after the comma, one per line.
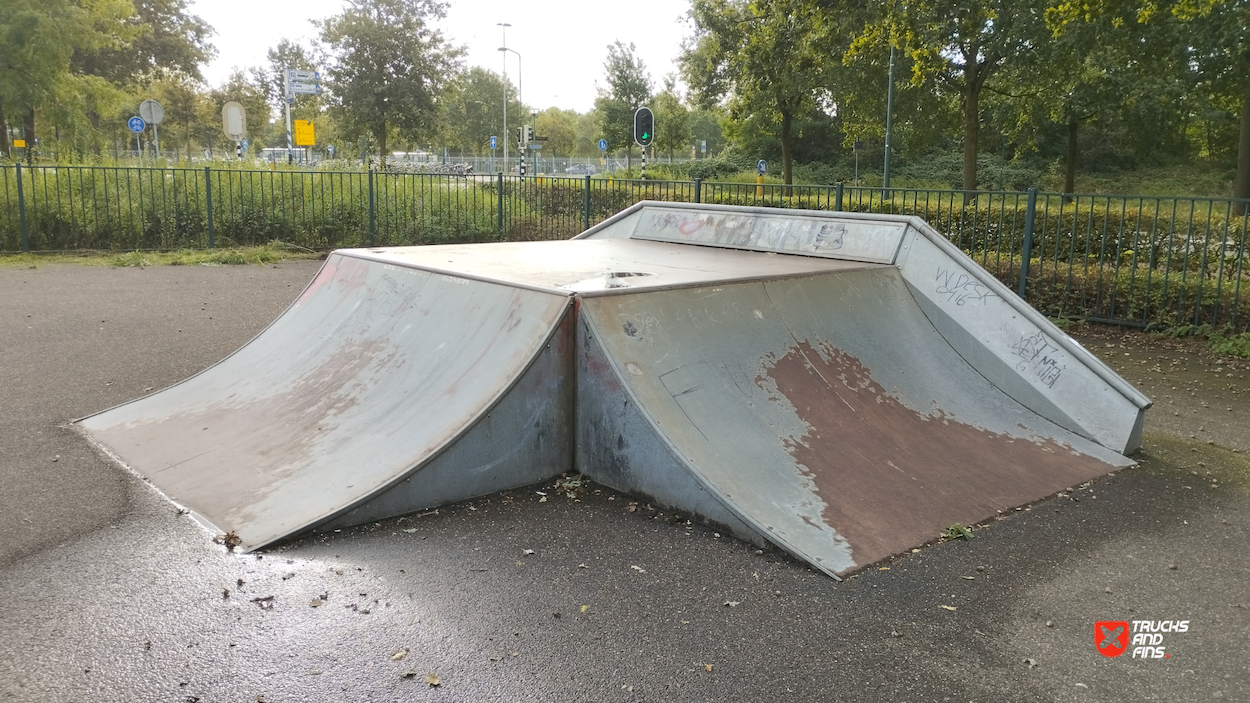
(38,40)
(160,35)
(473,110)
(628,88)
(389,67)
(962,44)
(675,118)
(767,56)
(559,127)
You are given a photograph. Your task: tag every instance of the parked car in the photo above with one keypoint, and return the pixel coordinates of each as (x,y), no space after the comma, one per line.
(581,170)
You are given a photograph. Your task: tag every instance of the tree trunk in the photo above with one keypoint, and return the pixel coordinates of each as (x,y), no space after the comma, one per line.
(4,135)
(382,149)
(29,132)
(972,128)
(787,174)
(1241,187)
(1069,175)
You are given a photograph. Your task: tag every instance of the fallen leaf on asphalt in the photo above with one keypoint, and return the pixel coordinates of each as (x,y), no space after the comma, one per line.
(408,674)
(585,608)
(883,568)
(410,530)
(732,603)
(433,680)
(527,552)
(968,578)
(707,667)
(582,566)
(948,607)
(1031,662)
(316,603)
(399,655)
(637,568)
(543,499)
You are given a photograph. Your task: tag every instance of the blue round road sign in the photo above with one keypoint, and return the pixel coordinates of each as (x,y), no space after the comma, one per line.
(137,125)
(603,145)
(761,167)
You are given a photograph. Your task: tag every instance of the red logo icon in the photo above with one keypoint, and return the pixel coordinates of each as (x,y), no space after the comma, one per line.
(1111,637)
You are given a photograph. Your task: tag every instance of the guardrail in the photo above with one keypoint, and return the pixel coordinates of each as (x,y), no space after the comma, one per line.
(1125,259)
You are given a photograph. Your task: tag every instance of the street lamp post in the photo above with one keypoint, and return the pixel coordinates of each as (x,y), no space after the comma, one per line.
(520,94)
(505,26)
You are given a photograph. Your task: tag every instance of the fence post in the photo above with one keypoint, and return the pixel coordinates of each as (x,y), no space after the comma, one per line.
(586,205)
(1026,250)
(208,207)
(499,207)
(21,210)
(837,197)
(373,226)
(698,190)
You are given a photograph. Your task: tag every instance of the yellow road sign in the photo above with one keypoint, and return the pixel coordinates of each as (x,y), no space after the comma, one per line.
(304,133)
(19,143)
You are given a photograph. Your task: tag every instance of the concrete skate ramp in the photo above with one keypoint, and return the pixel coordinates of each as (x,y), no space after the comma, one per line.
(382,390)
(823,413)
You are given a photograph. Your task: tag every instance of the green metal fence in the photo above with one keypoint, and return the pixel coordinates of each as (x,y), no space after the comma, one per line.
(1125,259)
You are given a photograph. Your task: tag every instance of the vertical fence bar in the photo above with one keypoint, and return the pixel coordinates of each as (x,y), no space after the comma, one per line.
(586,204)
(698,190)
(373,215)
(499,203)
(1030,218)
(837,198)
(208,207)
(21,210)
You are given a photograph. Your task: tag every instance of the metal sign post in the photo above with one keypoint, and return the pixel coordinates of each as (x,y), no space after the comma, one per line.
(137,125)
(152,113)
(297,82)
(234,125)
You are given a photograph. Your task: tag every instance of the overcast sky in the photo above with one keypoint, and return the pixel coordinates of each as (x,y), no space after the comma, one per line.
(562,43)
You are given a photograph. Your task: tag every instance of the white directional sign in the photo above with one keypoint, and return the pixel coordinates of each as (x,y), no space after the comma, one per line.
(297,75)
(302,88)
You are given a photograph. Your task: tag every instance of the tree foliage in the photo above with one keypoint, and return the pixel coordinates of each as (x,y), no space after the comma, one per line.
(389,67)
(628,88)
(765,56)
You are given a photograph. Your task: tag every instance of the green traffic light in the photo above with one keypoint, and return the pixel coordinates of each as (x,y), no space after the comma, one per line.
(646,136)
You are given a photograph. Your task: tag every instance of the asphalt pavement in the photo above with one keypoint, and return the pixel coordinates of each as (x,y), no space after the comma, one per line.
(111,595)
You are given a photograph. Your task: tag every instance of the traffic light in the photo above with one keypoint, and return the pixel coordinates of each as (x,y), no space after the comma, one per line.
(644,126)
(529,134)
(520,135)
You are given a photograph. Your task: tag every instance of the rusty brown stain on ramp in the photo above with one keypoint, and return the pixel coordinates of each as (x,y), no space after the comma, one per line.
(892,477)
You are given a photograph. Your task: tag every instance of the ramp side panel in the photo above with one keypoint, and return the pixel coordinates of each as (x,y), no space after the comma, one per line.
(525,438)
(370,373)
(1025,355)
(782,231)
(831,415)
(618,447)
